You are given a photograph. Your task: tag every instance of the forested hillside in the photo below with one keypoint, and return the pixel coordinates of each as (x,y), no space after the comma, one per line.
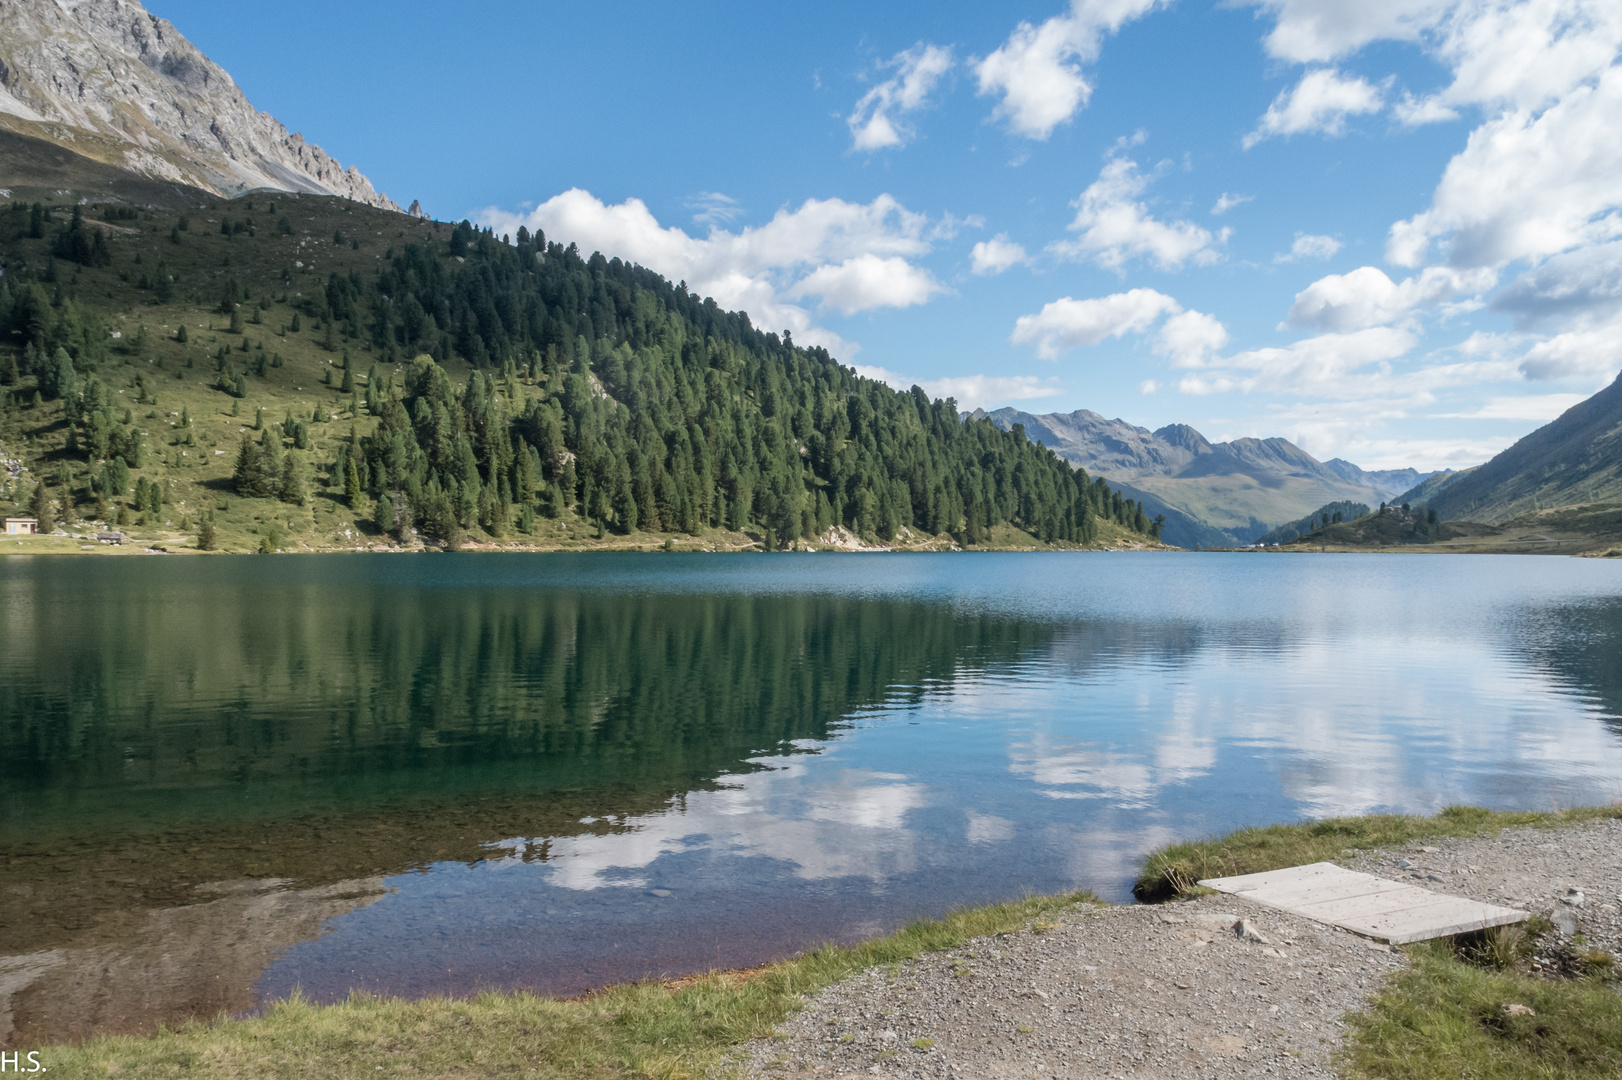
(1329,514)
(315,358)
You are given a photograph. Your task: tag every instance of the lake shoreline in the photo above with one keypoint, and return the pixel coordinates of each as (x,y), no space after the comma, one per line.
(968,990)
(185,544)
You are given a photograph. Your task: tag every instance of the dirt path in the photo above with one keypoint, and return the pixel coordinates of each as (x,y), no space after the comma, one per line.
(1171,991)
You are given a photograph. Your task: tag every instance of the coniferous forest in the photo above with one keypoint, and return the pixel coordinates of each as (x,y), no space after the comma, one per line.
(492,383)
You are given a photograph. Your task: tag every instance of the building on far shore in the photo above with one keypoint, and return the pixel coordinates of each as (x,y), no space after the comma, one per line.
(21,526)
(114,537)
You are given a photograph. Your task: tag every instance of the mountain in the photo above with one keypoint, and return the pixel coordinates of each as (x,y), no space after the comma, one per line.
(1426,489)
(271,372)
(1388,482)
(1574,460)
(118,85)
(1213,494)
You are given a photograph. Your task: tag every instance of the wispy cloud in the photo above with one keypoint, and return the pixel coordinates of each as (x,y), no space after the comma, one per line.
(971,391)
(876,123)
(1226,202)
(1307,246)
(1114,225)
(713,209)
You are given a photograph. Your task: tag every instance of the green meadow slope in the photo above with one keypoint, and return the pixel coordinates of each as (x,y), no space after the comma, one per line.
(282,371)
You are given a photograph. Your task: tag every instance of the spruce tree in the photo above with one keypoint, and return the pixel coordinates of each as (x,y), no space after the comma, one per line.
(292,487)
(41,507)
(352,490)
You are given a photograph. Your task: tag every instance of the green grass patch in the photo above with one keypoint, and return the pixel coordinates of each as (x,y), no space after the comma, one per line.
(1443,1018)
(1174,870)
(636,1030)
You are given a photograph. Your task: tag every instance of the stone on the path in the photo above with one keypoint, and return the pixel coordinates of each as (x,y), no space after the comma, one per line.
(1246,930)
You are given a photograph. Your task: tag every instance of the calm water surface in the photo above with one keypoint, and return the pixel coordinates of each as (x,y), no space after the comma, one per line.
(223,779)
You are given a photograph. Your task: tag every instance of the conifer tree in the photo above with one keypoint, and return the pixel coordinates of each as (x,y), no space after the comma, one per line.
(292,486)
(41,508)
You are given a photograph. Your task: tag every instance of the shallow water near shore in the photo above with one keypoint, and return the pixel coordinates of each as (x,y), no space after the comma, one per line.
(226,778)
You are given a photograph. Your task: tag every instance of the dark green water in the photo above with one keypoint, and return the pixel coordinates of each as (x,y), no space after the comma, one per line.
(224,778)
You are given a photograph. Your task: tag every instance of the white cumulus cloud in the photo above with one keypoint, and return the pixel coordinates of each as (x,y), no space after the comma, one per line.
(1318,104)
(1188,337)
(1308,31)
(864,282)
(1226,202)
(876,121)
(1527,186)
(854,256)
(996,255)
(1539,180)
(1191,339)
(1367,297)
(1114,226)
(1038,71)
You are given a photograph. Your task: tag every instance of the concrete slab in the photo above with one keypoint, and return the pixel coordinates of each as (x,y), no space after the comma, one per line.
(1364,904)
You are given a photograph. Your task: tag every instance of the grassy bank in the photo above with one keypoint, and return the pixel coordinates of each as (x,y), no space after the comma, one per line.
(637,1030)
(1460,1009)
(1173,870)
(1444,1017)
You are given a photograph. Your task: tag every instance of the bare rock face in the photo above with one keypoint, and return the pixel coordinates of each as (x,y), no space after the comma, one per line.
(110,81)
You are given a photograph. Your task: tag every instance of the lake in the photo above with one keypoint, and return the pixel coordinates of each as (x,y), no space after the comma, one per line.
(226,778)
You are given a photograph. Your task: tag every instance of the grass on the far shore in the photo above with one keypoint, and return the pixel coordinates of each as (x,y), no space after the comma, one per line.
(635,1030)
(1176,869)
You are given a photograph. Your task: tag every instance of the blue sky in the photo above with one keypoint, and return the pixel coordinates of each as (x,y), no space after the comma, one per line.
(1386,230)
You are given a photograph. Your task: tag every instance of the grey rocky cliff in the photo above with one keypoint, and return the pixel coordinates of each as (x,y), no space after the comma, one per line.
(109,80)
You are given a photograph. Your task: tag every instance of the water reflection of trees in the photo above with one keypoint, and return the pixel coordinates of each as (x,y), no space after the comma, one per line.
(1579,645)
(174,736)
(333,698)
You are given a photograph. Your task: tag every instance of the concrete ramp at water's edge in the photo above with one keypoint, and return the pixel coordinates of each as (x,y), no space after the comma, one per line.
(1364,904)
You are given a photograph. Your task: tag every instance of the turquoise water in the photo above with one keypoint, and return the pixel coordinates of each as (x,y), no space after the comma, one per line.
(440,773)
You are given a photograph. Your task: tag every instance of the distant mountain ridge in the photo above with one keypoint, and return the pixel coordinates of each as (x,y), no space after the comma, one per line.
(1226,493)
(111,82)
(1574,460)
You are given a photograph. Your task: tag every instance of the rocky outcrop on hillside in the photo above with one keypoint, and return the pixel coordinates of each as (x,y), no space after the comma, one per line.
(112,82)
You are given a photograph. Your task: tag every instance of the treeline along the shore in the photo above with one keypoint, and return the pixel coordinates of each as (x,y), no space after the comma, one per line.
(595,389)
(663,412)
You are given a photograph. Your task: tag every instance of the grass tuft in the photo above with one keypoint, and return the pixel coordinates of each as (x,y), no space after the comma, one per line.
(1446,1018)
(1175,870)
(650,1029)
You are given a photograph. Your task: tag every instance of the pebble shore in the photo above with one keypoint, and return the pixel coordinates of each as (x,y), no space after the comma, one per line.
(1183,990)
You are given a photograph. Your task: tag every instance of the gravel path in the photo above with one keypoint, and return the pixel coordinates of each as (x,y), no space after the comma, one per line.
(1173,990)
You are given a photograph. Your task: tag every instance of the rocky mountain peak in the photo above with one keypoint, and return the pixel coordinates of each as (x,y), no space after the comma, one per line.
(111,81)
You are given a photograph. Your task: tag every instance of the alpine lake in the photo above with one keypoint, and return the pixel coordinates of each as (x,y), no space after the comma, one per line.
(224,779)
